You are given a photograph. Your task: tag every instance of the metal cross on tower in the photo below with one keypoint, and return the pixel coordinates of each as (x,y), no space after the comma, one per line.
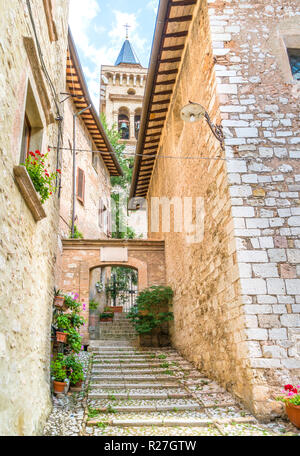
(127,26)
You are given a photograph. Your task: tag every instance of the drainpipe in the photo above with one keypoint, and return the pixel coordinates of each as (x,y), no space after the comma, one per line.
(77,114)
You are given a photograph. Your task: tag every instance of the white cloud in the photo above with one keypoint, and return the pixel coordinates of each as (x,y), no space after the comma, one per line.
(82,15)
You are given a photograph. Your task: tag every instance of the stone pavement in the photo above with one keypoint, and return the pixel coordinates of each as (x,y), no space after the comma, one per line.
(132,391)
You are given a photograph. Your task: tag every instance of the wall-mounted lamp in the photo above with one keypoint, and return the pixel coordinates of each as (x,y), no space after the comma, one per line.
(193,112)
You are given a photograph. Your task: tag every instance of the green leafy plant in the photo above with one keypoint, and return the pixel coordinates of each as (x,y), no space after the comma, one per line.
(92,413)
(42,179)
(77,234)
(163,365)
(147,314)
(72,303)
(74,369)
(74,340)
(63,322)
(93,305)
(110,409)
(106,315)
(58,368)
(162,356)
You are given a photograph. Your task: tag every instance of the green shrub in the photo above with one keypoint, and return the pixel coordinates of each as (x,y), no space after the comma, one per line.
(93,305)
(58,368)
(74,369)
(146,314)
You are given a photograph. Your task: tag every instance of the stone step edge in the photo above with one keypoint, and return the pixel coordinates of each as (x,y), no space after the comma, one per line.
(199,407)
(132,396)
(139,379)
(150,408)
(174,422)
(133,386)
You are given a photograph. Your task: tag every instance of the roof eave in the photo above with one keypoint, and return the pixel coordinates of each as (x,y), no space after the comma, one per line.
(75,57)
(160,22)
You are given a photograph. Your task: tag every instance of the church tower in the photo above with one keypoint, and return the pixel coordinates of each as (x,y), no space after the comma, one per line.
(122,93)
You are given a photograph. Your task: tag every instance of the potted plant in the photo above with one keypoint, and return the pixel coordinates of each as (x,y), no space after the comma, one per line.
(106,316)
(116,309)
(63,324)
(292,403)
(59,299)
(151,315)
(58,369)
(75,372)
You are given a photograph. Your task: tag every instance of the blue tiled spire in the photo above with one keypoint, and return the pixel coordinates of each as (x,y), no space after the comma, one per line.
(127,55)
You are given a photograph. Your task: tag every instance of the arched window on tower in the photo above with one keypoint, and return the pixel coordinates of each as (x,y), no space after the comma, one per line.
(124,124)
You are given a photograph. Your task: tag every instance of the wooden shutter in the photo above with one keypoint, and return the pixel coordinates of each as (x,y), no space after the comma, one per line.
(80,185)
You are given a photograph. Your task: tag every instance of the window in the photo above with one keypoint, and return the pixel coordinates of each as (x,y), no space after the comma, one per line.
(32,136)
(124,126)
(294,58)
(80,185)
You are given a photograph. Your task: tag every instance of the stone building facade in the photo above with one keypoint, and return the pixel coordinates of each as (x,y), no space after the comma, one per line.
(237,287)
(28,231)
(122,90)
(92,169)
(95,163)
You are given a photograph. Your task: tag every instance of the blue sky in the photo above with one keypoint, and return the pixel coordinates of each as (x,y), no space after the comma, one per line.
(98,30)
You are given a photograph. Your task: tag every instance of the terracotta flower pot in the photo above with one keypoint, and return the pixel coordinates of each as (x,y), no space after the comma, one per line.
(59,302)
(116,309)
(104,320)
(293,412)
(61,336)
(59,387)
(76,387)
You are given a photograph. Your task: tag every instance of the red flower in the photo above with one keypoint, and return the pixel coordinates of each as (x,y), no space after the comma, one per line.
(294,390)
(58,171)
(38,152)
(288,387)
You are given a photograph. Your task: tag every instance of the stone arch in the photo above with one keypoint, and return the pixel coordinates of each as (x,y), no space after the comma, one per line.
(133,263)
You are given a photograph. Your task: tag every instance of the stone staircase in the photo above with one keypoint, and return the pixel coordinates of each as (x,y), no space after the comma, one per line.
(134,391)
(119,328)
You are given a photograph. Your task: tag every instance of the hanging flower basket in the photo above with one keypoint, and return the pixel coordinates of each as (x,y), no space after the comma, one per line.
(61,336)
(59,302)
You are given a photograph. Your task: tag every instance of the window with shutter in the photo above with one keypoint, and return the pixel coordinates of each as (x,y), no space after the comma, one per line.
(80,185)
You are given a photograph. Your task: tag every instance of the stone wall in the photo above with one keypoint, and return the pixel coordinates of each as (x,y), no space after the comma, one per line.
(27,248)
(236,304)
(97,181)
(80,258)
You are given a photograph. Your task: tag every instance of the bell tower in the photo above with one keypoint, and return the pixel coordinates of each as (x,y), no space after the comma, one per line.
(122,88)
